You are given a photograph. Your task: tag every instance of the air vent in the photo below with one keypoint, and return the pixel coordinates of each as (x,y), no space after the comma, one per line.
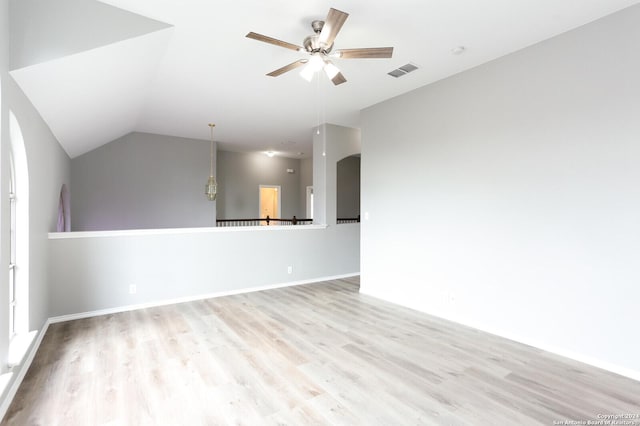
(408,68)
(397,73)
(405,69)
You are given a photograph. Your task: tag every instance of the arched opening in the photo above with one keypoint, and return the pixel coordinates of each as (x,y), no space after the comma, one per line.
(19,232)
(348,189)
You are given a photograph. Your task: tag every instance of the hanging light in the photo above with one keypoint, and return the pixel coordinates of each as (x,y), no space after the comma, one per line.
(314,65)
(211,188)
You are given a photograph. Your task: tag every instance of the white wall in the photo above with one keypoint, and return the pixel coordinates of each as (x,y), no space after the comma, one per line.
(92,273)
(522,178)
(142,181)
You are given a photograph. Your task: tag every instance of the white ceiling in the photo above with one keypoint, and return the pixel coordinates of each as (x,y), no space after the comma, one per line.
(96,73)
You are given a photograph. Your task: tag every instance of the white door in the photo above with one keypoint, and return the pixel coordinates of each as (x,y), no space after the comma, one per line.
(309,202)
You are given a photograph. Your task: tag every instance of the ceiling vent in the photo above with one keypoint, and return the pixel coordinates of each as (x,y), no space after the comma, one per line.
(405,69)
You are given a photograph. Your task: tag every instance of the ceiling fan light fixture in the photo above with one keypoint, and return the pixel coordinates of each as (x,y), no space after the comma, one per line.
(314,65)
(331,70)
(307,73)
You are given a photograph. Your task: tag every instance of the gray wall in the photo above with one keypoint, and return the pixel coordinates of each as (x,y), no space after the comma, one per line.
(522,176)
(187,264)
(241,174)
(348,187)
(147,181)
(142,181)
(178,264)
(331,143)
(48,168)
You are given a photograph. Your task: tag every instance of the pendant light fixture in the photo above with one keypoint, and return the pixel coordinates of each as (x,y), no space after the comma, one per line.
(211,188)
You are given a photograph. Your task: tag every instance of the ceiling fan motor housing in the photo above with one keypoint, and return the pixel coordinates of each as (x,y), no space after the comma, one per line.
(312,43)
(317,26)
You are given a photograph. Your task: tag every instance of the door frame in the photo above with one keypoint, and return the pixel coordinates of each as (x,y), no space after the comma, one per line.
(279,190)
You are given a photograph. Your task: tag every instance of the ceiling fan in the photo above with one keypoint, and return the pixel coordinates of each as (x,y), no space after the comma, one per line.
(319,45)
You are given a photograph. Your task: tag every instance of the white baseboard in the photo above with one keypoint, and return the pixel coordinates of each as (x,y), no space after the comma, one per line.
(22,371)
(165,302)
(575,356)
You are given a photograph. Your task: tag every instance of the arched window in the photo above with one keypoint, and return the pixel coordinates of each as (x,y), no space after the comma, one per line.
(12,247)
(18,233)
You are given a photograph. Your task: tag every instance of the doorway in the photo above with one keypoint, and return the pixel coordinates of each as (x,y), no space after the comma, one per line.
(269,200)
(309,202)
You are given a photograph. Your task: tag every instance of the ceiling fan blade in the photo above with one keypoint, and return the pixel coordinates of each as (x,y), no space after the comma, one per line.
(338,79)
(289,67)
(366,52)
(275,41)
(332,24)
(330,69)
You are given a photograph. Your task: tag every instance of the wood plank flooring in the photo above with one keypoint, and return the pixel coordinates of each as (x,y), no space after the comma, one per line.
(306,355)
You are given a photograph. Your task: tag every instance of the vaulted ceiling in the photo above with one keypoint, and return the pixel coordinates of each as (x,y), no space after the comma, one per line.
(99,70)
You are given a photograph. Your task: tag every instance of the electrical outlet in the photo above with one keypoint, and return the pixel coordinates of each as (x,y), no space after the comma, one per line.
(132,289)
(289,269)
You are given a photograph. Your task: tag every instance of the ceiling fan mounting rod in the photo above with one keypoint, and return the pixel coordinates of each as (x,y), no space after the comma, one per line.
(317,26)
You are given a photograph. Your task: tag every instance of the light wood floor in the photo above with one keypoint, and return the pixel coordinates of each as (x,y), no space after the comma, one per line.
(314,354)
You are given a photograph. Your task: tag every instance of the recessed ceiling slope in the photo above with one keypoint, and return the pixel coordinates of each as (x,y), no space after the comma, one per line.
(91,98)
(42,30)
(86,66)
